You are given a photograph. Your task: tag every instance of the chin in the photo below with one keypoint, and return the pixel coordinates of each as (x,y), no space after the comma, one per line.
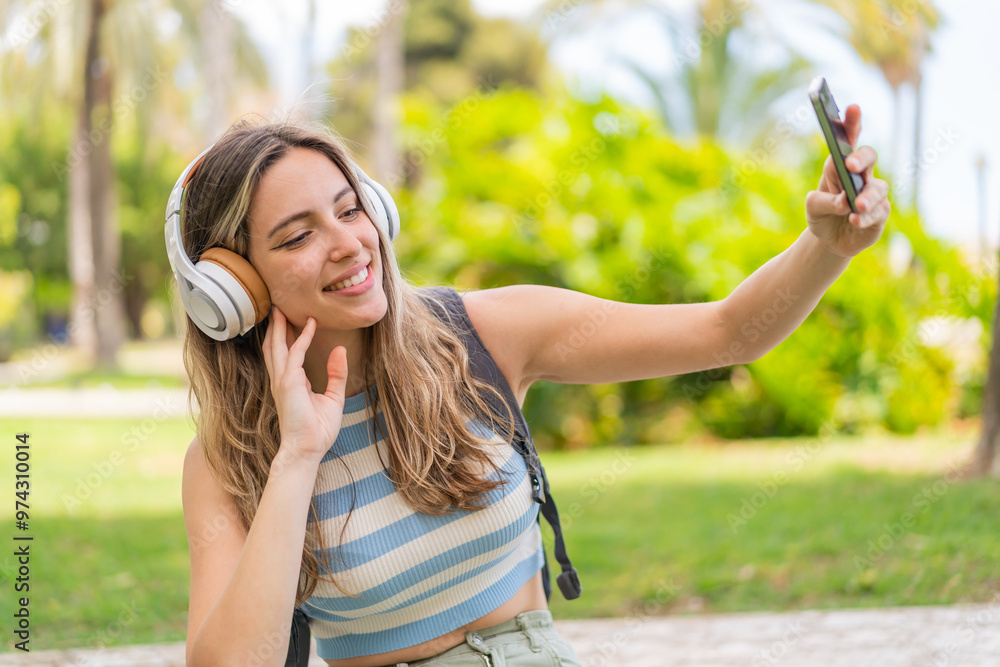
(370,313)
(378,313)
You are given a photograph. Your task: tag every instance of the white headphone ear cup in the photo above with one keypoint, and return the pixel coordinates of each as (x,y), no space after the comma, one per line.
(220,307)
(210,309)
(381,216)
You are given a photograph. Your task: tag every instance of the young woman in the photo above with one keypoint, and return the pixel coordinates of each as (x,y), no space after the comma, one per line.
(348,462)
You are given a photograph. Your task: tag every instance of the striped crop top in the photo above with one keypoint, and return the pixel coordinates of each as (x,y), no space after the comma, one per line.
(419,576)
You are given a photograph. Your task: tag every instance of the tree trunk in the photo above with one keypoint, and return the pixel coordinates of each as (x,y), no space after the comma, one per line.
(81,328)
(216,24)
(918,113)
(986,460)
(135,299)
(108,281)
(315,106)
(389,74)
(81,331)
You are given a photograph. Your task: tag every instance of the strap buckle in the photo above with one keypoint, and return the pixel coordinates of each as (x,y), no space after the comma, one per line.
(537,491)
(569,584)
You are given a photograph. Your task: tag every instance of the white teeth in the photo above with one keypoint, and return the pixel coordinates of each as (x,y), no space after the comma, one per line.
(353,280)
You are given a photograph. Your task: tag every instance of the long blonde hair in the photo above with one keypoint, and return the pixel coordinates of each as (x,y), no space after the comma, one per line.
(416,362)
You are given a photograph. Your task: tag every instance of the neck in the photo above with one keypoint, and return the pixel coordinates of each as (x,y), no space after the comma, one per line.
(318,354)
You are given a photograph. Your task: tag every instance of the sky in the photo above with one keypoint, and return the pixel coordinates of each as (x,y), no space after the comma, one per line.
(960,93)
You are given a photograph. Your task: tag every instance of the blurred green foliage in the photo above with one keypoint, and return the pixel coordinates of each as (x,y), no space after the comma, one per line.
(33,210)
(33,206)
(518,187)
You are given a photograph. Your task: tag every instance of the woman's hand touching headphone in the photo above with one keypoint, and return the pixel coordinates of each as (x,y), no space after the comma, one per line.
(309,422)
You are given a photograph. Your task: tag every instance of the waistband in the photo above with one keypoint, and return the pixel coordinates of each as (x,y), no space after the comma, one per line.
(536,618)
(474,639)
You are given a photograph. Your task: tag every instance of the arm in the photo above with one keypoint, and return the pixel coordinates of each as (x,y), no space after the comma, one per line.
(769,305)
(557,335)
(243,584)
(544,333)
(536,333)
(773,302)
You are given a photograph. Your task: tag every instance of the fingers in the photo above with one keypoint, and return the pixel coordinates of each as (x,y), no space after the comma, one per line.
(873,205)
(862,161)
(827,203)
(297,353)
(831,179)
(266,348)
(852,123)
(874,192)
(279,348)
(336,371)
(866,220)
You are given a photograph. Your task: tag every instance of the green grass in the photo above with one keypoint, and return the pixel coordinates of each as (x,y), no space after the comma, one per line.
(665,535)
(109,560)
(650,530)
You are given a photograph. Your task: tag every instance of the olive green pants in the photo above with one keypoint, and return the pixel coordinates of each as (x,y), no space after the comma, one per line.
(527,640)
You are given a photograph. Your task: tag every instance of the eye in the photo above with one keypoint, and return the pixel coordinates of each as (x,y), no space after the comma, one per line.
(294,242)
(350,214)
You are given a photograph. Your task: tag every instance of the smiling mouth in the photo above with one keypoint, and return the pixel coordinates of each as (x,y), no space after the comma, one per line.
(357,278)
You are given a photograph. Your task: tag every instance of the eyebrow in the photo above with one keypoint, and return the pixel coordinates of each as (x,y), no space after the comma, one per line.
(302,214)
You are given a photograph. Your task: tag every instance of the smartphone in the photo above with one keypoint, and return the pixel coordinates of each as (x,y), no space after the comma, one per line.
(836,137)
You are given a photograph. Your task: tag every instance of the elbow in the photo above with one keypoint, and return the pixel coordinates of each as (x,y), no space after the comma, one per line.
(225,640)
(733,344)
(222,659)
(737,346)
(190,657)
(750,355)
(736,351)
(199,655)
(267,654)
(193,659)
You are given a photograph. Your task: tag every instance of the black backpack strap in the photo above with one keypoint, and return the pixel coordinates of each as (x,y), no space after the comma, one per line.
(298,642)
(484,367)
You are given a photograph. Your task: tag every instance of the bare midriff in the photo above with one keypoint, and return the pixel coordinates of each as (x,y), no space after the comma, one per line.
(530,597)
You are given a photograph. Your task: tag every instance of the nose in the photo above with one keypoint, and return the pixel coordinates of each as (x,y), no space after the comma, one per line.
(343,243)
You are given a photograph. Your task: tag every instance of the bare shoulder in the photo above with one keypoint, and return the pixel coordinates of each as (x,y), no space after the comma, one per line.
(202,496)
(501,317)
(197,479)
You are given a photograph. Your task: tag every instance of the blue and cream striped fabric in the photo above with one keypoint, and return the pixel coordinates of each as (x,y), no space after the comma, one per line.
(418,576)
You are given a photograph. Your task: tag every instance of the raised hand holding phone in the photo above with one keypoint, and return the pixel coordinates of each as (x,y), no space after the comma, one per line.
(837,140)
(847,230)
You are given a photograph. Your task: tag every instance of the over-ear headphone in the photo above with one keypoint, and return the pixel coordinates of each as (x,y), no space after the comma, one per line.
(222,293)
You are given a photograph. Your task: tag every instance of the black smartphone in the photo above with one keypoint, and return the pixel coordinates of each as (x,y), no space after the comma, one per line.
(836,137)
